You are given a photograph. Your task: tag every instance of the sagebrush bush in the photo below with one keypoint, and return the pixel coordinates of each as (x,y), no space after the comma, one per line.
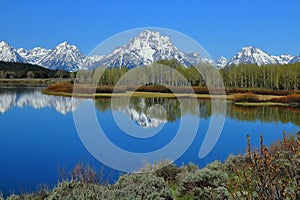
(169,173)
(190,168)
(79,190)
(207,183)
(142,186)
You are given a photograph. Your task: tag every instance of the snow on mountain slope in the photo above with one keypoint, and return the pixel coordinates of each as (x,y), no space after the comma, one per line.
(147,48)
(32,56)
(92,61)
(8,53)
(64,56)
(221,62)
(252,55)
(295,59)
(283,59)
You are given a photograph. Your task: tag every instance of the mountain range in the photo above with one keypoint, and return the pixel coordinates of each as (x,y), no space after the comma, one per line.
(147,48)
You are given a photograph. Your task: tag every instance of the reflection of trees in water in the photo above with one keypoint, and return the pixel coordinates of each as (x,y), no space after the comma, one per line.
(276,114)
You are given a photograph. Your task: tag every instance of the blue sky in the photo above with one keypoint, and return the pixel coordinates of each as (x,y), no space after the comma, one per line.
(221,27)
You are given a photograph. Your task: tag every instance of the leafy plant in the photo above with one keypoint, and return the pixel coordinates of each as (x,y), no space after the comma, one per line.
(207,183)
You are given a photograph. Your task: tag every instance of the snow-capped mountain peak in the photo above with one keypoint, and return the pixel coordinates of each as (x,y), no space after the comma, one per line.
(8,53)
(4,44)
(295,59)
(283,59)
(252,55)
(148,47)
(32,56)
(221,62)
(64,56)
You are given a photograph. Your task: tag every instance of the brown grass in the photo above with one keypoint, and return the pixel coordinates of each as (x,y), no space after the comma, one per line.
(248,97)
(260,91)
(65,87)
(240,94)
(292,98)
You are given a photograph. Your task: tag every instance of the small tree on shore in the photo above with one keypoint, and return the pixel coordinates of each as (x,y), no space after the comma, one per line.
(30,75)
(59,73)
(2,74)
(10,75)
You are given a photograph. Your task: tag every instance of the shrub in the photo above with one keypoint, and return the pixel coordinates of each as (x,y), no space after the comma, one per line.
(142,186)
(207,183)
(79,190)
(233,162)
(271,173)
(169,173)
(83,173)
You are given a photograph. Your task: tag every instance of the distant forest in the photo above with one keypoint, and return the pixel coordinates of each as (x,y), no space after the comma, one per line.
(10,70)
(276,77)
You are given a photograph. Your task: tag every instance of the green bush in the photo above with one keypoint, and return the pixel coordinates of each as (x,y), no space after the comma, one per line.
(142,186)
(207,183)
(169,173)
(79,190)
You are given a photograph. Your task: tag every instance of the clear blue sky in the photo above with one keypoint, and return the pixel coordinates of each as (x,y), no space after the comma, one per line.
(222,27)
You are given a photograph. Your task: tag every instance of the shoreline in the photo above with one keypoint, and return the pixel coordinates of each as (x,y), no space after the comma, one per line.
(64,87)
(229,97)
(140,94)
(259,100)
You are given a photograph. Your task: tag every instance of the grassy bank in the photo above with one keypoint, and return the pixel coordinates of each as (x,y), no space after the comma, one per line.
(66,89)
(250,99)
(240,96)
(261,173)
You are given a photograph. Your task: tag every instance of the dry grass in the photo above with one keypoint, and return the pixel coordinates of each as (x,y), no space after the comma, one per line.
(292,98)
(240,96)
(248,97)
(61,87)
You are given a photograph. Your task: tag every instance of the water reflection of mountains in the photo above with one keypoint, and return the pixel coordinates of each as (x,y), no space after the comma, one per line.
(21,97)
(275,114)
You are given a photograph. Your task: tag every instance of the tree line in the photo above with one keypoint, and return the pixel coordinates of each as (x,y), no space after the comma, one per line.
(11,70)
(276,77)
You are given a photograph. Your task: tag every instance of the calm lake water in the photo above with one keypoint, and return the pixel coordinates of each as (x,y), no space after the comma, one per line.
(38,134)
